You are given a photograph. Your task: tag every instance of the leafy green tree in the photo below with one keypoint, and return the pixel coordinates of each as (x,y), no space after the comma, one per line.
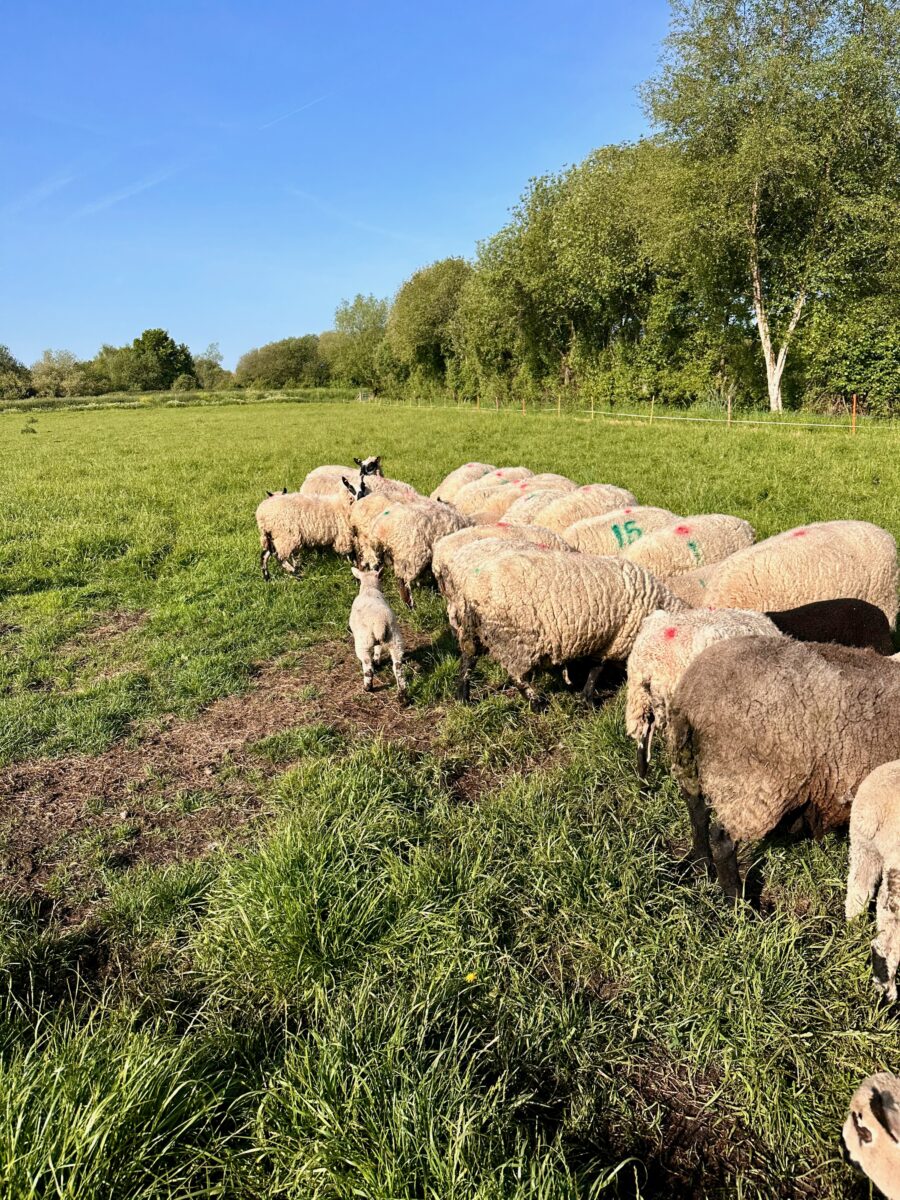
(210,373)
(420,326)
(784,117)
(291,361)
(15,378)
(359,329)
(157,360)
(59,373)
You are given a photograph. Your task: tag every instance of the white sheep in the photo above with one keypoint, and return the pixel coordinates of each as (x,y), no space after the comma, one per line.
(594,499)
(874,860)
(468,473)
(531,608)
(690,542)
(289,523)
(613,532)
(871,1132)
(374,626)
(529,505)
(822,561)
(328,480)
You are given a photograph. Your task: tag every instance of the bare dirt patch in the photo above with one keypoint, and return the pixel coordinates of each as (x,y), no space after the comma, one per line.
(186,786)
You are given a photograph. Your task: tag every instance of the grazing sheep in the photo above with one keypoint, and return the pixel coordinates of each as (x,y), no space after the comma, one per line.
(592,500)
(612,532)
(531,608)
(492,495)
(391,489)
(448,487)
(663,650)
(326,481)
(504,531)
(289,523)
(823,561)
(762,727)
(874,859)
(871,1132)
(845,621)
(373,625)
(690,542)
(531,503)
(403,532)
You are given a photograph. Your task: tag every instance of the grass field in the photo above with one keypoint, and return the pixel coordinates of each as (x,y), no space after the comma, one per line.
(265,936)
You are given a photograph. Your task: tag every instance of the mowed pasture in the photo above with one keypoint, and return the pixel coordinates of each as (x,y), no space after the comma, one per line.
(263,935)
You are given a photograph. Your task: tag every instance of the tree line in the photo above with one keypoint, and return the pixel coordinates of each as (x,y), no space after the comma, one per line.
(746,252)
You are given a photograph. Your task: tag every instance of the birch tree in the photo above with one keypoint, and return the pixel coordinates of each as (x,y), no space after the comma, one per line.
(784,114)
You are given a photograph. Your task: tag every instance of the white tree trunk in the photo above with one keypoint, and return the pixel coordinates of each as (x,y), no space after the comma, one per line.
(774,361)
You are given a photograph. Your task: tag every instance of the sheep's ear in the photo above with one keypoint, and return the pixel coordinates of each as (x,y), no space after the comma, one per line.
(349,486)
(886,1112)
(376,462)
(356,574)
(284,491)
(270,493)
(358,461)
(379,570)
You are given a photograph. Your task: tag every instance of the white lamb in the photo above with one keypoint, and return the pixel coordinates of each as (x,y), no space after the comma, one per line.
(373,625)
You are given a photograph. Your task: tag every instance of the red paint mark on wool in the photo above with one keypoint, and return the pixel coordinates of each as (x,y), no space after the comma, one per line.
(799,533)
(542,546)
(627,510)
(682,529)
(669,633)
(503,524)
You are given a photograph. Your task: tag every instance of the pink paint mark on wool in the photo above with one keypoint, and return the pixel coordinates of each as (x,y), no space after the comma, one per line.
(670,633)
(542,546)
(682,529)
(627,510)
(503,524)
(799,533)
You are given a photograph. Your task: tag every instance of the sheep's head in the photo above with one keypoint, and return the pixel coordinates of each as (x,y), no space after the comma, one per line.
(871,1132)
(369,466)
(358,490)
(369,577)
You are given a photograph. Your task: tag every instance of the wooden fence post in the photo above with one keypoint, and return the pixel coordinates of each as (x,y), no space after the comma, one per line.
(728,422)
(853,415)
(652,403)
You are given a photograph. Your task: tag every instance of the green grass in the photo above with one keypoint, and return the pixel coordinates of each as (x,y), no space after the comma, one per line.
(469,973)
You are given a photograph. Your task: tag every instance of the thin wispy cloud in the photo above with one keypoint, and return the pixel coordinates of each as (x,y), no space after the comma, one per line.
(294,111)
(125,193)
(346,219)
(37,195)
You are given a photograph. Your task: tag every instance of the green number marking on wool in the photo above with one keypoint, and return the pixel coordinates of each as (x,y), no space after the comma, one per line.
(627,533)
(695,550)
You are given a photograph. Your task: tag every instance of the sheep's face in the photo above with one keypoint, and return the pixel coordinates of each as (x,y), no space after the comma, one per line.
(358,490)
(369,466)
(871,1134)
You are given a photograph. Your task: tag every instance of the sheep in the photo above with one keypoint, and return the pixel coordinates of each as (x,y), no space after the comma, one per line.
(663,649)
(401,531)
(289,522)
(874,859)
(531,608)
(326,481)
(611,532)
(871,1132)
(502,531)
(690,542)
(448,487)
(391,489)
(493,494)
(592,500)
(373,625)
(530,504)
(761,727)
(822,561)
(843,620)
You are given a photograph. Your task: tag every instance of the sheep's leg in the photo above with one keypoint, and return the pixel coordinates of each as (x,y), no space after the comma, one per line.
(405,593)
(535,700)
(376,654)
(368,670)
(468,651)
(264,557)
(886,947)
(700,857)
(397,664)
(645,741)
(862,879)
(724,853)
(590,684)
(288,566)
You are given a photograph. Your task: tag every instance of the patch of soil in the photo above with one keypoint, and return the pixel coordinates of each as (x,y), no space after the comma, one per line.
(695,1149)
(105,628)
(188,785)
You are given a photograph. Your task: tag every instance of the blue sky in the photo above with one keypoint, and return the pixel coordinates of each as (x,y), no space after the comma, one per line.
(231,171)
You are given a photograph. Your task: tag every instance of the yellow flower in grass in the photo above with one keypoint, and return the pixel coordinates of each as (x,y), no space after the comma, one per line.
(471,977)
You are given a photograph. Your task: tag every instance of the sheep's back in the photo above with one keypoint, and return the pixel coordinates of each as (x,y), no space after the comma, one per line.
(611,532)
(469,472)
(594,499)
(690,542)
